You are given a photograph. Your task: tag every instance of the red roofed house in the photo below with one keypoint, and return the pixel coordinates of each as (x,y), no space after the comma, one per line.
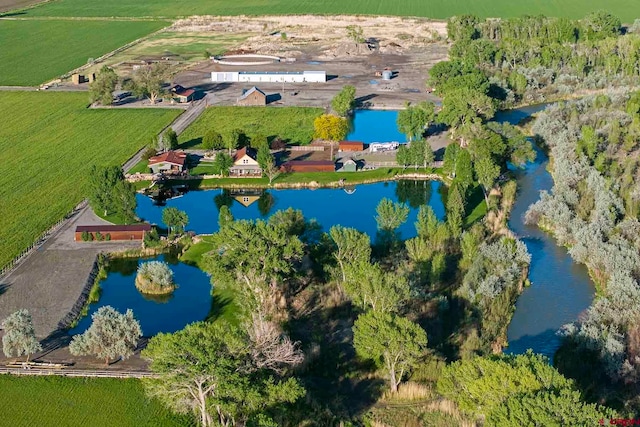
(168,162)
(308,166)
(245,163)
(182,95)
(351,146)
(114,232)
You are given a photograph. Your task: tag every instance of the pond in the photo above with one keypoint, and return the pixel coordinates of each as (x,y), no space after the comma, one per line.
(190,302)
(351,207)
(375,126)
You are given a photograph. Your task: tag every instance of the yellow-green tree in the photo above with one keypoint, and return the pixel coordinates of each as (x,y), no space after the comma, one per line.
(330,127)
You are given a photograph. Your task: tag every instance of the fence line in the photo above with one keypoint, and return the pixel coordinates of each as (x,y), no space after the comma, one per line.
(77,373)
(14,263)
(307,148)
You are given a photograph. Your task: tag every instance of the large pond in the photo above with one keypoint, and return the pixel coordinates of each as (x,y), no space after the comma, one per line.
(190,302)
(351,207)
(375,126)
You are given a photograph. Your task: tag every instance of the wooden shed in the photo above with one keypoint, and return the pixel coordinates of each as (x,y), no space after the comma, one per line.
(351,146)
(308,166)
(115,232)
(253,96)
(347,165)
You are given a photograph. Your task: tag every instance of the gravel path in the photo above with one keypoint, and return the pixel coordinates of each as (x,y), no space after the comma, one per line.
(49,282)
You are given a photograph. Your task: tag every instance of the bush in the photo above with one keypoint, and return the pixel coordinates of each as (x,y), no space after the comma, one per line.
(155,277)
(108,237)
(148,153)
(98,236)
(85,236)
(151,239)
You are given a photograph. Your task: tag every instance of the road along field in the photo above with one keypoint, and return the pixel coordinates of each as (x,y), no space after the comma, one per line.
(293,125)
(35,51)
(66,402)
(440,9)
(49,141)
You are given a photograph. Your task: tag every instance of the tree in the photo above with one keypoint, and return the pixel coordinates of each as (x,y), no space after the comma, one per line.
(464,169)
(270,347)
(205,369)
(420,153)
(102,181)
(270,169)
(464,106)
(391,215)
(260,140)
(124,200)
(369,287)
(149,80)
(449,159)
(264,157)
(221,164)
(413,120)
(487,172)
(175,219)
(101,89)
(394,342)
(601,24)
(225,217)
(234,139)
(456,209)
(403,157)
(169,140)
(212,140)
(463,27)
(352,247)
(330,128)
(19,335)
(111,334)
(355,33)
(344,101)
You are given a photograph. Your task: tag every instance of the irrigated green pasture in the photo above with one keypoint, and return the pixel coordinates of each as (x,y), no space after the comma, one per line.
(293,124)
(35,51)
(625,9)
(49,141)
(71,402)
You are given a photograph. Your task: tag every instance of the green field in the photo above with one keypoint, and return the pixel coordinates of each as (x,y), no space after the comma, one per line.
(49,141)
(293,124)
(625,9)
(39,50)
(96,402)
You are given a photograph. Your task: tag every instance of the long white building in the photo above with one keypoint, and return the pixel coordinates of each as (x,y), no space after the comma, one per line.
(270,76)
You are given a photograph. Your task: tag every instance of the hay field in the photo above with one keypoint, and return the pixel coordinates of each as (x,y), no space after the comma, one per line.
(293,124)
(625,9)
(70,402)
(49,141)
(34,51)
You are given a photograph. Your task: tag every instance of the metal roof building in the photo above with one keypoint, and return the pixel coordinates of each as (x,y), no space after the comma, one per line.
(270,76)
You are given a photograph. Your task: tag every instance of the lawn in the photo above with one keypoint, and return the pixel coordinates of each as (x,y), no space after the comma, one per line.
(49,141)
(626,9)
(293,124)
(36,51)
(61,401)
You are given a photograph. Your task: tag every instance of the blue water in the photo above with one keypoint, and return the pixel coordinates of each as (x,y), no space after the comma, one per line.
(329,206)
(189,303)
(375,126)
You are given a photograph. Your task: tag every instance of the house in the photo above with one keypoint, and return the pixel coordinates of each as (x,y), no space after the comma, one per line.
(308,166)
(269,76)
(181,94)
(170,162)
(346,165)
(253,96)
(246,196)
(112,232)
(351,146)
(245,163)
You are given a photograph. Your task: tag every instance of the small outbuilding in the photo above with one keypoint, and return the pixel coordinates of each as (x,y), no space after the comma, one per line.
(351,146)
(182,95)
(111,232)
(308,166)
(170,162)
(346,165)
(253,96)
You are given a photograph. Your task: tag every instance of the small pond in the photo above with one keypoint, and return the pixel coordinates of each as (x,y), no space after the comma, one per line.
(190,302)
(351,207)
(375,126)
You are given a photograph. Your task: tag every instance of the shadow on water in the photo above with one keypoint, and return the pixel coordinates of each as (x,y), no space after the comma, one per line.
(545,342)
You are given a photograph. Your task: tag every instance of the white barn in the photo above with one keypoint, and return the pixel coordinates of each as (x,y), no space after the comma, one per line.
(269,76)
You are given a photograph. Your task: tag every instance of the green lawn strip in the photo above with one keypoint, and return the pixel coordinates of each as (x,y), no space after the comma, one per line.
(49,142)
(476,206)
(97,402)
(625,9)
(142,167)
(292,124)
(36,51)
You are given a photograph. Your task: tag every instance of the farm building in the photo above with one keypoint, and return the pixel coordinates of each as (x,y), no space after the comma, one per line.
(253,96)
(270,76)
(245,163)
(181,94)
(112,232)
(376,147)
(346,165)
(169,162)
(351,146)
(308,166)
